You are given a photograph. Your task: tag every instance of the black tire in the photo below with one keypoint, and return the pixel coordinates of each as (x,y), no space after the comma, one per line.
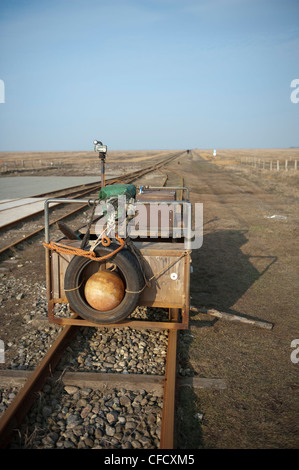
(129,270)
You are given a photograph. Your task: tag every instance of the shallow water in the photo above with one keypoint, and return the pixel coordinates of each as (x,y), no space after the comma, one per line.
(27,186)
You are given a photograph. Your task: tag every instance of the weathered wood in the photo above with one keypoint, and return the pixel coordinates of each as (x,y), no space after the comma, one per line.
(15,413)
(12,377)
(105,380)
(160,260)
(98,381)
(202,382)
(94,380)
(233,317)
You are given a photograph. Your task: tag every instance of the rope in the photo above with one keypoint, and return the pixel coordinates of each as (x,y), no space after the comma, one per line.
(139,258)
(71,250)
(75,288)
(86,236)
(156,275)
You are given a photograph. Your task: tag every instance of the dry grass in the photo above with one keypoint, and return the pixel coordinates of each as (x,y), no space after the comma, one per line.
(226,155)
(248,265)
(70,157)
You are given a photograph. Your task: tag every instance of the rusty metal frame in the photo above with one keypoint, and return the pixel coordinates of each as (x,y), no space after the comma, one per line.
(167,438)
(15,413)
(178,188)
(75,320)
(174,323)
(13,416)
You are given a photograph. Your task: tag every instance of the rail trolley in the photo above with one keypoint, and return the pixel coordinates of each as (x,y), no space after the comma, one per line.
(133,251)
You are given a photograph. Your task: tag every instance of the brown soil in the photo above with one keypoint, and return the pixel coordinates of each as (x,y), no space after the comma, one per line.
(248,264)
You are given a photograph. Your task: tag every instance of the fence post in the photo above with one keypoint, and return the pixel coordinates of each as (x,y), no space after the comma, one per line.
(295,165)
(270,165)
(277,166)
(286,165)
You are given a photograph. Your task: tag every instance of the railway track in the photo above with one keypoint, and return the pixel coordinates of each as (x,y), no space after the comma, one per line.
(16,412)
(74,193)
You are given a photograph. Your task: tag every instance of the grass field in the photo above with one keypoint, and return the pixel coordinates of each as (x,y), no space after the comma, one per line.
(248,265)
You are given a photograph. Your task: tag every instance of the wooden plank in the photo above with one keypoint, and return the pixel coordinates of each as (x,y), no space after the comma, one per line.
(93,380)
(55,275)
(99,380)
(106,381)
(166,248)
(163,287)
(12,377)
(14,414)
(202,382)
(156,195)
(64,262)
(164,292)
(233,317)
(136,324)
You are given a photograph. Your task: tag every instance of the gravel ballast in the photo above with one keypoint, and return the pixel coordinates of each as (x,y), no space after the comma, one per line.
(72,417)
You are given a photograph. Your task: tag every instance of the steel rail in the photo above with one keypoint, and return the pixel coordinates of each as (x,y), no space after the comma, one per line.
(15,413)
(127,178)
(31,216)
(168,424)
(91,187)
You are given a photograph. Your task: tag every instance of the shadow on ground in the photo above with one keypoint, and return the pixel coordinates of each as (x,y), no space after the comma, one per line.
(222,274)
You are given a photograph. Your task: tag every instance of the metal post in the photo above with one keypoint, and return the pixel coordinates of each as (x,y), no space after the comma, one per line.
(102,171)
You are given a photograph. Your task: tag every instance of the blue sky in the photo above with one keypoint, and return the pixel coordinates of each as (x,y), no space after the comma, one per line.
(148,74)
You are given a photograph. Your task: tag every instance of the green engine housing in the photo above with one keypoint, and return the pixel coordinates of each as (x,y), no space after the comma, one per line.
(115,190)
(110,194)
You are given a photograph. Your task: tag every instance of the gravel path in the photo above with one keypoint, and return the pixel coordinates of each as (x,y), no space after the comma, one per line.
(71,417)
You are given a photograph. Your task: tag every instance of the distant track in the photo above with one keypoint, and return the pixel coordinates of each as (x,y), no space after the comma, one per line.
(16,412)
(77,193)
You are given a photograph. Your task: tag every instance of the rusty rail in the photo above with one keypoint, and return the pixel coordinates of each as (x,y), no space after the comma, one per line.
(126,178)
(167,439)
(15,413)
(168,426)
(18,409)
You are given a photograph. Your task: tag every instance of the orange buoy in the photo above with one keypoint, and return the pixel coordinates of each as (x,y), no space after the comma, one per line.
(104,290)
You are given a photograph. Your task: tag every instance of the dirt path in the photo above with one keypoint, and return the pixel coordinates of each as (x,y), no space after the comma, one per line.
(248,264)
